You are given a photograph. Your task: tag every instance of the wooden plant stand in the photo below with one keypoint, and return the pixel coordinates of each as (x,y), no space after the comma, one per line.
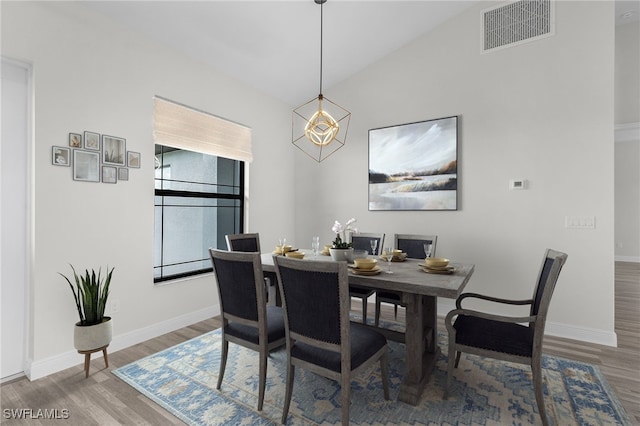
(87,358)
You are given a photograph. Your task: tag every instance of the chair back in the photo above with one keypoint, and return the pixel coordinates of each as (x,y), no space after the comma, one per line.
(362,241)
(240,286)
(315,299)
(243,242)
(552,263)
(413,245)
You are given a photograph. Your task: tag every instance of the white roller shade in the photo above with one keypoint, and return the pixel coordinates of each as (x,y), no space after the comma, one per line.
(179,126)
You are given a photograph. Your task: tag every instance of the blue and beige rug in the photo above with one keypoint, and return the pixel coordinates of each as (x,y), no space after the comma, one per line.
(182,379)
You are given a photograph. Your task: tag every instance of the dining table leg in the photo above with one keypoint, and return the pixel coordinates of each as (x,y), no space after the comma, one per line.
(421,345)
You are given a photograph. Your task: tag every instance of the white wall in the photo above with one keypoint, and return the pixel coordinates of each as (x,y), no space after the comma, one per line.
(542,111)
(627,147)
(90,74)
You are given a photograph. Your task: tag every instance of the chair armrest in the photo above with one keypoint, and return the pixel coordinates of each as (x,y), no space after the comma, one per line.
(448,320)
(490,299)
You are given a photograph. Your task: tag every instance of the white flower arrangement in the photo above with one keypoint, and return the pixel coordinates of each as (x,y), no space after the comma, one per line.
(341,234)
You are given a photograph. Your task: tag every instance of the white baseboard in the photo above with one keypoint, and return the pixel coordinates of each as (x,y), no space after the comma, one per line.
(44,367)
(600,337)
(635,259)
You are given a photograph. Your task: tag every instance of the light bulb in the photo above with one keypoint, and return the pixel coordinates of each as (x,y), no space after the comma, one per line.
(322,128)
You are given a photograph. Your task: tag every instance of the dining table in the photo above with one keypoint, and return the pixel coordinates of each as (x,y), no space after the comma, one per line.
(419,292)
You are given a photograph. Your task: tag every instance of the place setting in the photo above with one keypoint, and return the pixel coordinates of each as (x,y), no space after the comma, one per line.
(285,249)
(436,265)
(396,255)
(365,266)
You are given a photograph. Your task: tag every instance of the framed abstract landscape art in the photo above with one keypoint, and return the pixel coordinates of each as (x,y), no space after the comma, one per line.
(414,166)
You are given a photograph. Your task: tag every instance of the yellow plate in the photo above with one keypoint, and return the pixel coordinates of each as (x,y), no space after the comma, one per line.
(400,258)
(280,252)
(435,268)
(437,271)
(375,268)
(374,271)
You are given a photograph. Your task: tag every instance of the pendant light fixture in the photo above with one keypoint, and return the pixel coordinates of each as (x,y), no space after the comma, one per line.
(319,127)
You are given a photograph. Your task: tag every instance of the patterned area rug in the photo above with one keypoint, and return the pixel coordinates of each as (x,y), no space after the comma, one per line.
(182,379)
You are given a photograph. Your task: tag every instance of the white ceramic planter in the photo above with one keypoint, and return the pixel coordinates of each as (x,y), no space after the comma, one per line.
(90,337)
(340,254)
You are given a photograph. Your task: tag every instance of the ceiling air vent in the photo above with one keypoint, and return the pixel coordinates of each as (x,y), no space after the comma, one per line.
(516,23)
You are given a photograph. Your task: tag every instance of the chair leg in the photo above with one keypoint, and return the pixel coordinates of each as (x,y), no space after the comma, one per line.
(346,397)
(377,314)
(384,373)
(288,392)
(364,310)
(223,362)
(395,311)
(450,366)
(536,369)
(264,353)
(457,359)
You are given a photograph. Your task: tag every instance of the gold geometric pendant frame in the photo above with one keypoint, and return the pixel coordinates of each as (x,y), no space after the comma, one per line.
(319,127)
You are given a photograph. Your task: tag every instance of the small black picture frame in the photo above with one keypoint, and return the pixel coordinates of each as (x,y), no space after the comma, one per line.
(75,140)
(92,141)
(86,165)
(109,174)
(114,150)
(133,159)
(60,156)
(123,173)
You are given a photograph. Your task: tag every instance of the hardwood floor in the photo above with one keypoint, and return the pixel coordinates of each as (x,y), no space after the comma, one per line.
(103,399)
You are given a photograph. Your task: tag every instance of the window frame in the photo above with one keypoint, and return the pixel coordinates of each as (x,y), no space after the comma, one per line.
(160,192)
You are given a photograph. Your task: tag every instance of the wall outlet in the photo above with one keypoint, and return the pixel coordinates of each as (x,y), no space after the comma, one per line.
(115,306)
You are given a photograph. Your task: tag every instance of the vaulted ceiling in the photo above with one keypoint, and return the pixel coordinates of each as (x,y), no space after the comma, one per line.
(275,45)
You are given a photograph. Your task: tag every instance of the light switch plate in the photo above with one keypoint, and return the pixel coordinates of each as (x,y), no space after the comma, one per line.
(580,222)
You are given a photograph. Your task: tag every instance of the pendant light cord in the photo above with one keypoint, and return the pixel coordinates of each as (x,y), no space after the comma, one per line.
(321,37)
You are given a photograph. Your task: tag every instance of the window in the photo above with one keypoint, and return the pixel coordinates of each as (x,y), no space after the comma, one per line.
(199,198)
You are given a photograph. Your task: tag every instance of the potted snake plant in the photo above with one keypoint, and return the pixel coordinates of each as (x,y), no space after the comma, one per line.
(90,293)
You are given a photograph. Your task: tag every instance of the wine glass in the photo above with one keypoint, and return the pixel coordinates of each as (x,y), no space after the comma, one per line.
(388,253)
(427,249)
(315,245)
(374,246)
(282,242)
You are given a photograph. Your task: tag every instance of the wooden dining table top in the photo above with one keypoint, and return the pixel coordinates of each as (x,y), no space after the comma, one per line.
(407,276)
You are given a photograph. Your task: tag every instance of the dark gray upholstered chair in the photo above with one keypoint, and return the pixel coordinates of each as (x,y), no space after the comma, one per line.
(250,242)
(413,246)
(513,339)
(243,242)
(362,241)
(246,318)
(320,337)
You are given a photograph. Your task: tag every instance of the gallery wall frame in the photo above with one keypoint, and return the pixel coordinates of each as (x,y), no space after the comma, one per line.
(109,174)
(92,141)
(113,150)
(414,166)
(75,140)
(86,165)
(133,159)
(123,173)
(60,156)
